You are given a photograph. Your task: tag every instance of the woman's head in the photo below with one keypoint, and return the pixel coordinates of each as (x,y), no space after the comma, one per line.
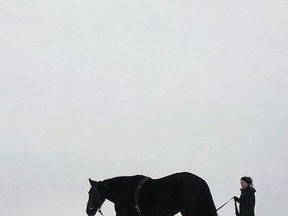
(246,181)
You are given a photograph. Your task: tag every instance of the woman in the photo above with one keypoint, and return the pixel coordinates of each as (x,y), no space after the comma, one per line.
(247,197)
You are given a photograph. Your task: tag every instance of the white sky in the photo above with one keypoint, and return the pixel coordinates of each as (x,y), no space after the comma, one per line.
(106,88)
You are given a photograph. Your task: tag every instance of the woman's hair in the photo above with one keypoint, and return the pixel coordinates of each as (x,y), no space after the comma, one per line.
(248,180)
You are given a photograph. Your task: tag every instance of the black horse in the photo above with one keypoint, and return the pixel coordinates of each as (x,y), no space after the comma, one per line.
(142,196)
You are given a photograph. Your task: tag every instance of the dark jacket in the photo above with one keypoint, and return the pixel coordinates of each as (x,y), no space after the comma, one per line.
(247,201)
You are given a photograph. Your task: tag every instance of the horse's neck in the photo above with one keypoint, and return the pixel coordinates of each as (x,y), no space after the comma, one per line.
(120,187)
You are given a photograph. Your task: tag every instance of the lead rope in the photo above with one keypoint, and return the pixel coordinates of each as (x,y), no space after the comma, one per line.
(224,204)
(236,209)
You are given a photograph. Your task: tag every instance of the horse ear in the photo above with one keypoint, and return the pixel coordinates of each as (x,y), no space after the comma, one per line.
(91,182)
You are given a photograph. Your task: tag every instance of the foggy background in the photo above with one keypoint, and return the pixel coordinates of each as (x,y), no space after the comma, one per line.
(109,88)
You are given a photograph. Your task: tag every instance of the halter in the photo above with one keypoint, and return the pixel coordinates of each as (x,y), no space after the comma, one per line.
(137,191)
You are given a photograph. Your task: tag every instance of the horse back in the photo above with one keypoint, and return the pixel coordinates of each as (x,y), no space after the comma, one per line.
(179,192)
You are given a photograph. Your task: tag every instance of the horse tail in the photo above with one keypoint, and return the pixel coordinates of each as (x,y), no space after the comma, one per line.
(206,205)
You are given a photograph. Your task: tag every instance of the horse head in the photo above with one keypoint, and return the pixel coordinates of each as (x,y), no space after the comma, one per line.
(95,199)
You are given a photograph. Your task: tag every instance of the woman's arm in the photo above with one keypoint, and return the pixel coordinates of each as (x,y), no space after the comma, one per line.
(237,199)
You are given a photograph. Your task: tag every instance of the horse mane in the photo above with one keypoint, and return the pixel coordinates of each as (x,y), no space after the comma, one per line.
(122,185)
(123,180)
